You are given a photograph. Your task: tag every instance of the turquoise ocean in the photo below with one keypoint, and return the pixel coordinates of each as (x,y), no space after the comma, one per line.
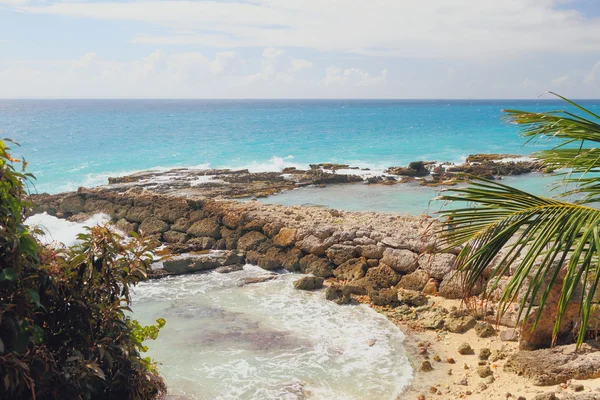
(72,143)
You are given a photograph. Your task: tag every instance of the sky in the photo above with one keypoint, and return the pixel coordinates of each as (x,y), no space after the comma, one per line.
(299,48)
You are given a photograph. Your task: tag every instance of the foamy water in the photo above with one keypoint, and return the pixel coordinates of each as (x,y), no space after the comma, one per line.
(226,340)
(268,340)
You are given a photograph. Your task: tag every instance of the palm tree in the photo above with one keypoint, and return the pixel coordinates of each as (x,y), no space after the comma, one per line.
(541,238)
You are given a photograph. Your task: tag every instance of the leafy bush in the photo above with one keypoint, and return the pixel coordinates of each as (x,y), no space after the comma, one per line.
(64,331)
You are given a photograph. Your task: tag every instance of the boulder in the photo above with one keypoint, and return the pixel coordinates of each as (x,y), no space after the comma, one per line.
(451,286)
(339,253)
(73,205)
(411,297)
(313,245)
(291,262)
(309,283)
(138,214)
(181,225)
(382,277)
(285,238)
(273,259)
(338,294)
(125,226)
(231,237)
(354,268)
(402,261)
(438,265)
(174,237)
(232,220)
(374,251)
(272,228)
(547,367)
(202,243)
(206,227)
(189,263)
(153,226)
(311,264)
(384,297)
(196,215)
(251,241)
(172,212)
(459,323)
(414,281)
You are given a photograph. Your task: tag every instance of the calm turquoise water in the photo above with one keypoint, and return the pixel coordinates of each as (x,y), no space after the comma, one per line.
(71,143)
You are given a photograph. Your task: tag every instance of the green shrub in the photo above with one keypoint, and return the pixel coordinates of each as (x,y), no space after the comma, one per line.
(64,331)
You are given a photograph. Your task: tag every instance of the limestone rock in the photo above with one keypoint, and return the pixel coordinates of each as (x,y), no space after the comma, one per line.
(338,294)
(402,261)
(484,371)
(181,225)
(451,286)
(374,251)
(339,253)
(465,349)
(314,245)
(382,277)
(352,269)
(438,265)
(311,264)
(384,297)
(138,214)
(414,281)
(251,241)
(189,263)
(547,367)
(273,259)
(153,226)
(174,237)
(285,238)
(126,226)
(73,205)
(309,283)
(202,243)
(411,297)
(206,227)
(484,329)
(459,323)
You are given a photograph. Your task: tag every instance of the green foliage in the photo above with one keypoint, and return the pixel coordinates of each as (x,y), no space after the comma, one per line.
(544,240)
(64,332)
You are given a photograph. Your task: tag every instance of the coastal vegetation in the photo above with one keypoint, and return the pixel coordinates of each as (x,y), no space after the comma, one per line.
(64,328)
(550,247)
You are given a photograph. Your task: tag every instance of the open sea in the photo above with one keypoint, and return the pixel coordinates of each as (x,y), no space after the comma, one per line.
(72,143)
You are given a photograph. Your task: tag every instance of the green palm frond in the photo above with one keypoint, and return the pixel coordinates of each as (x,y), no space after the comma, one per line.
(538,239)
(539,236)
(574,134)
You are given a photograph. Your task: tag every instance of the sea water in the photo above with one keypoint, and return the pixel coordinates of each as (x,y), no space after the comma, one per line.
(72,143)
(225,339)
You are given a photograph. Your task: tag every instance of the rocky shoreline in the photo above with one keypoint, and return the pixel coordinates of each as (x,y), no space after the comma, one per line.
(237,184)
(392,262)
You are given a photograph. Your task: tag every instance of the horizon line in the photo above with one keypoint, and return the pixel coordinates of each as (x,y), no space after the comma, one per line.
(296,99)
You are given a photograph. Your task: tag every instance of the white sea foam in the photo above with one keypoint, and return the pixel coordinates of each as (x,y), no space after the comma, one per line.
(226,340)
(58,230)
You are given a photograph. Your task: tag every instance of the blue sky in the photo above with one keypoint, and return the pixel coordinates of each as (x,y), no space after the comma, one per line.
(299,49)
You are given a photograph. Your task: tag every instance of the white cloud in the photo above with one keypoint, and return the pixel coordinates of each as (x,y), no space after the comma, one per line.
(593,75)
(299,64)
(560,81)
(460,29)
(221,61)
(352,77)
(162,74)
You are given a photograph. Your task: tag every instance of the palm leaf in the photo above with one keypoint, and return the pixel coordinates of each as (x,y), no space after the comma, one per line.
(575,139)
(540,237)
